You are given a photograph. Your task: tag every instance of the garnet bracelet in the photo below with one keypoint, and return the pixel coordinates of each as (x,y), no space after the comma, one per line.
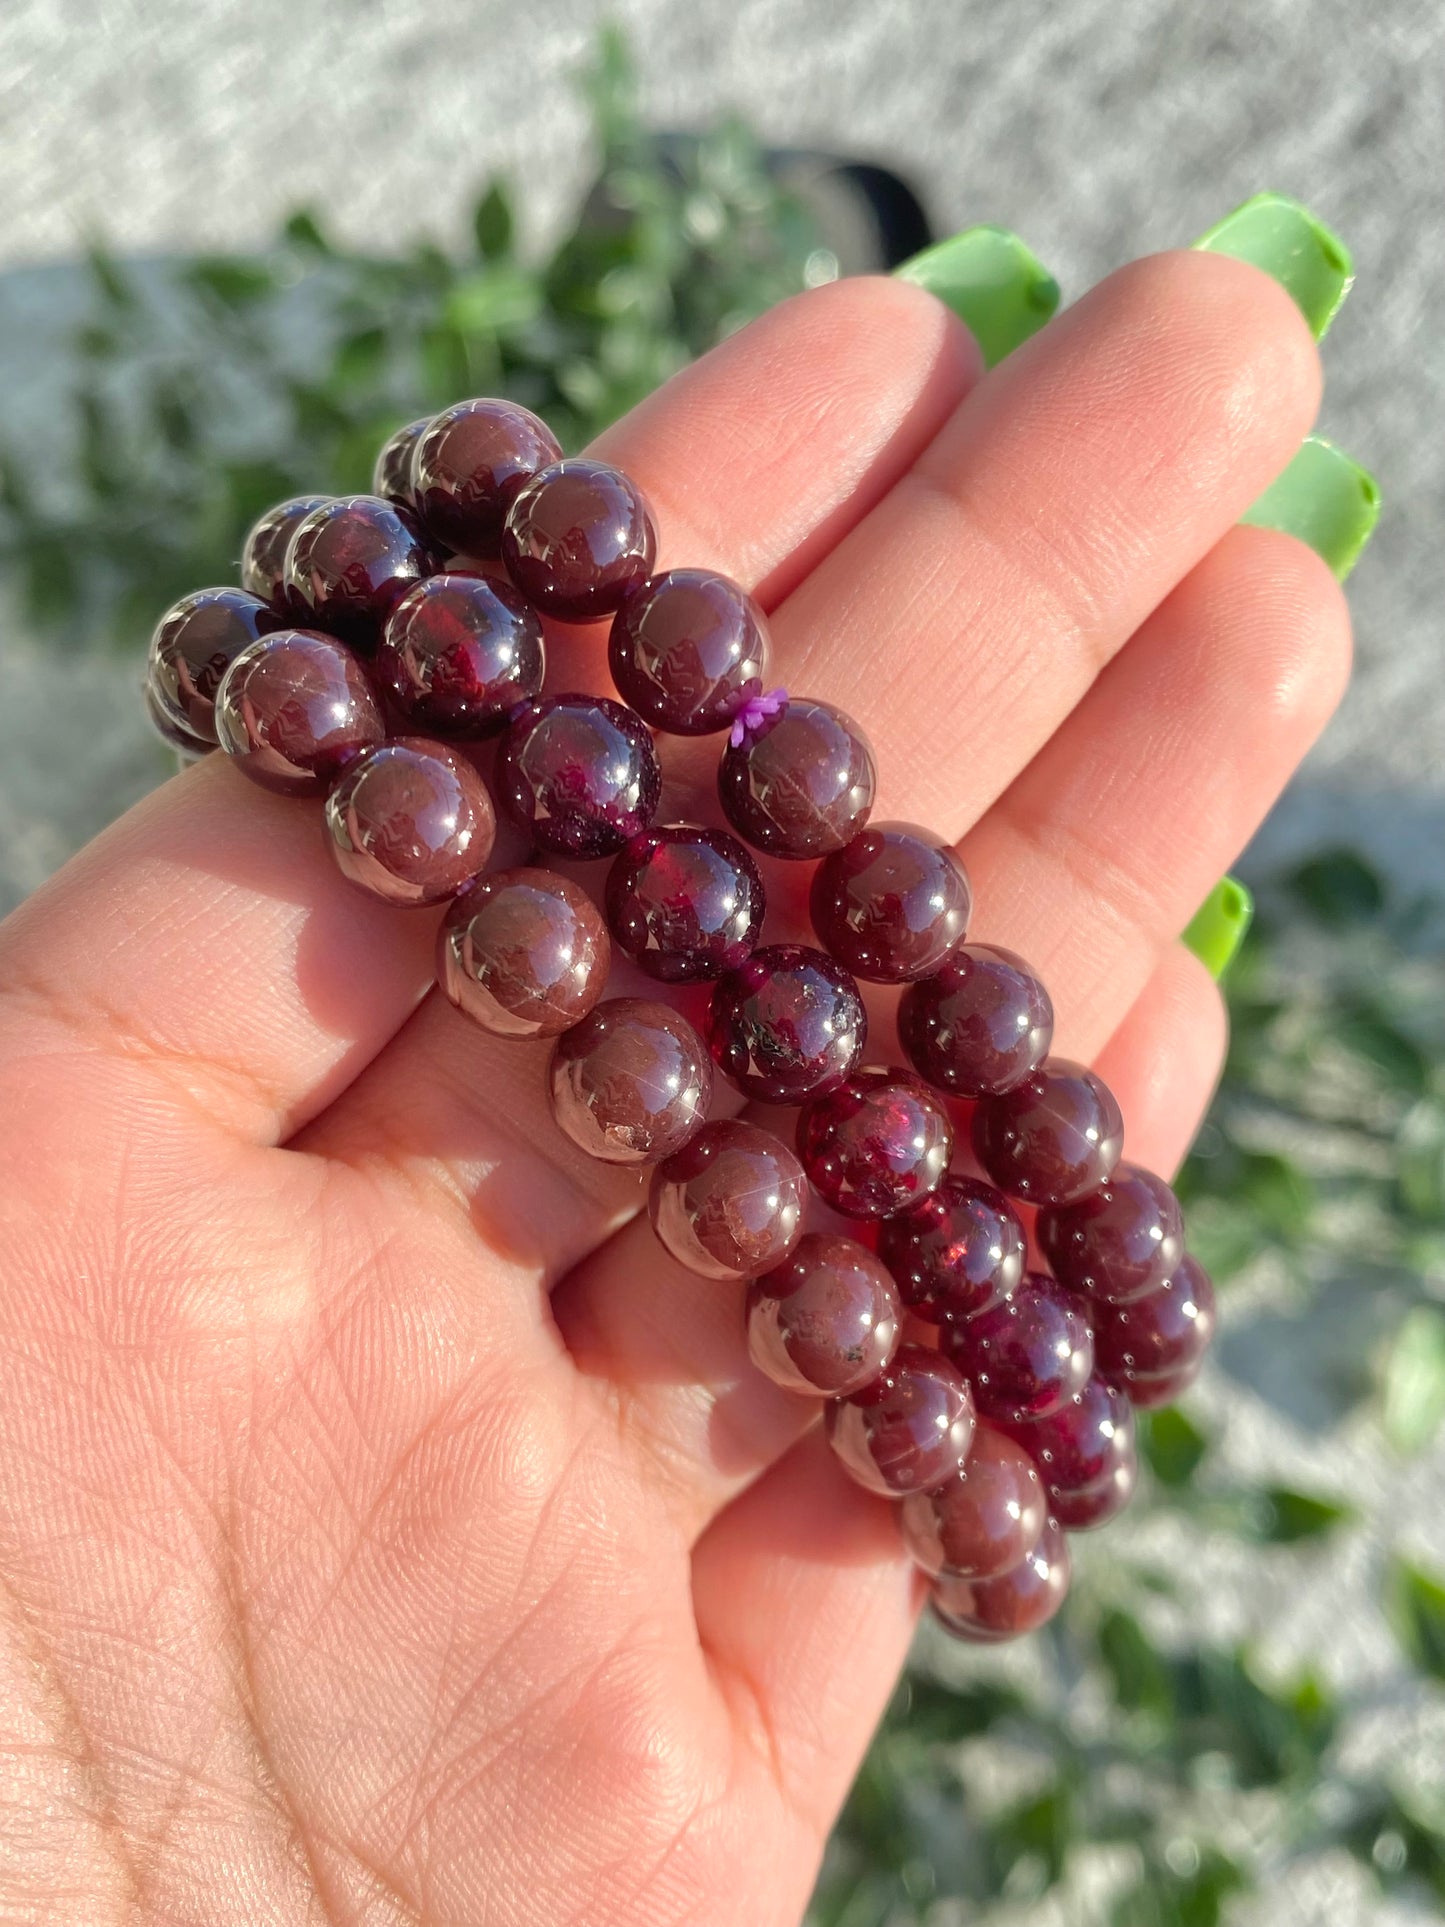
(375,644)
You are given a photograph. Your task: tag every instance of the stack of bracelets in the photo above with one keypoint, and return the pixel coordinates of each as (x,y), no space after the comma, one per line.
(357,663)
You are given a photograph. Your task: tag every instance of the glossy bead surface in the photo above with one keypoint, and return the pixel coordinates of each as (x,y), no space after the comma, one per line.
(786,1024)
(1118,1241)
(875,1143)
(263,554)
(459,653)
(1053,1138)
(890,904)
(685,903)
(1086,1453)
(1027,1355)
(351,561)
(909,1430)
(979,1024)
(579,772)
(1153,1347)
(826,1320)
(957,1252)
(631,1082)
(524,953)
(294,709)
(190,748)
(193,646)
(391,473)
(988,1611)
(801,784)
(687,649)
(411,822)
(468,465)
(984,1520)
(730,1203)
(578,539)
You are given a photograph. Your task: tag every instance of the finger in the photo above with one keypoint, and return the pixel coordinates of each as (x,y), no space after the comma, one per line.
(209,942)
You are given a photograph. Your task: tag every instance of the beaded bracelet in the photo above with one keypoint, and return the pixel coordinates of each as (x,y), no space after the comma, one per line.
(374,638)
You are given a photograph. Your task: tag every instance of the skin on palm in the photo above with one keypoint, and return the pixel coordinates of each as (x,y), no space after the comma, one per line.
(388,1530)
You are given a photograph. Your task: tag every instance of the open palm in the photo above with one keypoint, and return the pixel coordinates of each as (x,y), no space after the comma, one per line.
(389,1531)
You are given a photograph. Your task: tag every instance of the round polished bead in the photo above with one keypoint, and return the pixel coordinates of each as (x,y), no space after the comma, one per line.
(1086,1453)
(193,646)
(687,649)
(411,822)
(988,1611)
(459,653)
(979,1024)
(1053,1138)
(890,904)
(263,554)
(909,1430)
(786,1024)
(956,1252)
(826,1320)
(351,561)
(524,953)
(1027,1355)
(630,1083)
(801,783)
(188,747)
(983,1521)
(1152,1347)
(578,539)
(294,709)
(580,772)
(730,1203)
(684,903)
(468,465)
(391,475)
(1117,1241)
(876,1143)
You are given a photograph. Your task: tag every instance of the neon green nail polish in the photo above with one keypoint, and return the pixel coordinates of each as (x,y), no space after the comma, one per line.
(1326,499)
(1286,240)
(1219,925)
(992,282)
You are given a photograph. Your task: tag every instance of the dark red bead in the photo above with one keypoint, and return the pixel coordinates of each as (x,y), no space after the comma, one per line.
(1053,1138)
(786,1024)
(979,1024)
(891,904)
(1153,1346)
(351,561)
(1027,1355)
(987,1611)
(190,748)
(467,467)
(631,1082)
(1117,1241)
(524,953)
(957,1252)
(801,784)
(826,1320)
(193,646)
(578,539)
(730,1203)
(687,649)
(909,1430)
(685,903)
(580,772)
(391,475)
(294,709)
(1086,1453)
(263,554)
(983,1521)
(411,821)
(459,653)
(876,1143)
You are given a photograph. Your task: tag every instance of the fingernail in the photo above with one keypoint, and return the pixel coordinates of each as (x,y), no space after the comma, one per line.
(1219,925)
(992,282)
(1326,499)
(1286,240)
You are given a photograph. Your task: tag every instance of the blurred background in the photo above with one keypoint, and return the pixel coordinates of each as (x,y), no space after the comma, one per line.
(241,244)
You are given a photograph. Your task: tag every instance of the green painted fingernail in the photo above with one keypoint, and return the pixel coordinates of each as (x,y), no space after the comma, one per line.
(1219,925)
(1286,240)
(1326,499)
(992,282)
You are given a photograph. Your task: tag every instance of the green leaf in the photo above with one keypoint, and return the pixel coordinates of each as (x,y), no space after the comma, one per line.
(1415,1603)
(489,302)
(492,223)
(1039,1830)
(1420,1170)
(1282,1517)
(1369,1034)
(233,282)
(1191,1893)
(1139,1675)
(1279,1192)
(1339,888)
(1415,1381)
(1172,1445)
(112,283)
(304,233)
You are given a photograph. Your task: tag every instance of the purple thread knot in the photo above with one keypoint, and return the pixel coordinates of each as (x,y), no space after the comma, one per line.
(757,710)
